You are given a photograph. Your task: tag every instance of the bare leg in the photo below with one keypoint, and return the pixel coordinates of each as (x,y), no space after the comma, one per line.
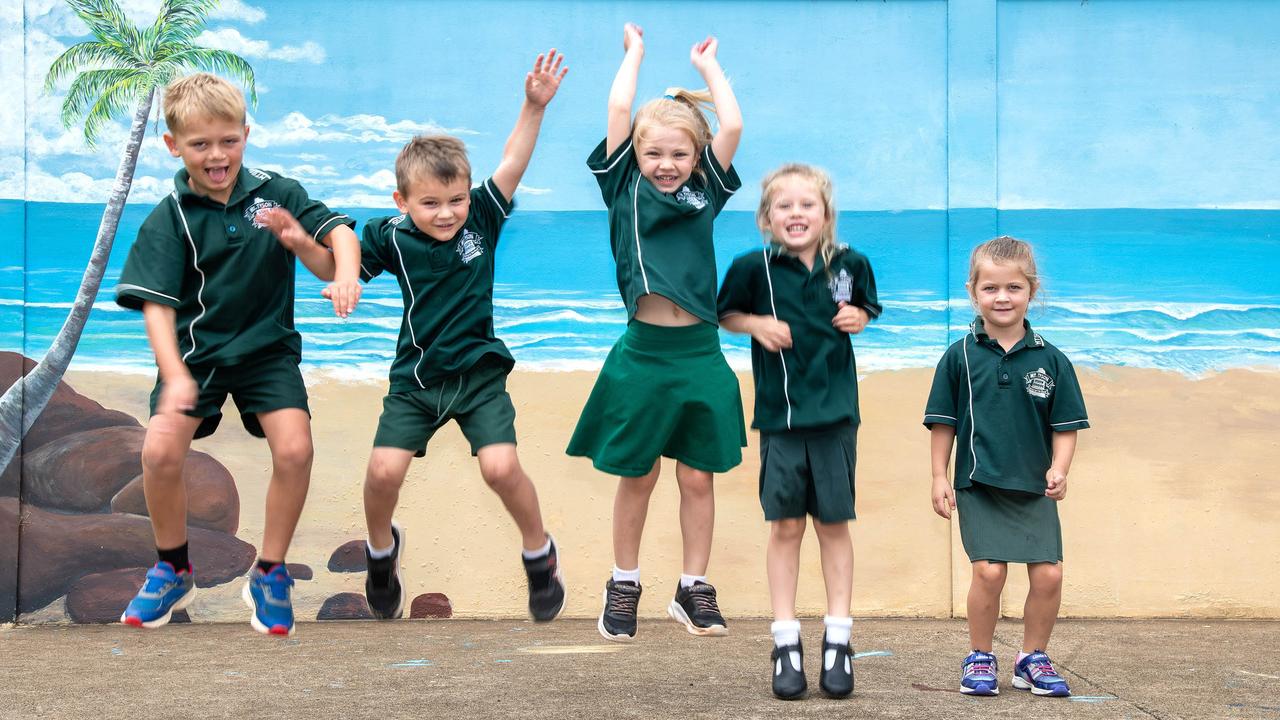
(289,435)
(500,468)
(382,482)
(697,517)
(782,561)
(1041,609)
(984,602)
(630,508)
(164,452)
(837,566)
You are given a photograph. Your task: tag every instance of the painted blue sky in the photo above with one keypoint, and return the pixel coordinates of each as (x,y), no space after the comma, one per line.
(1118,104)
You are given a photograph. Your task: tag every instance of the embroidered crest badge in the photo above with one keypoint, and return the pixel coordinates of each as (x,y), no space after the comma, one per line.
(841,287)
(1038,383)
(258,205)
(691,197)
(469,246)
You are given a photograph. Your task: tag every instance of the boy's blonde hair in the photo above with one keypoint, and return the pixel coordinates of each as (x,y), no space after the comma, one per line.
(201,95)
(822,183)
(1003,251)
(442,157)
(679,109)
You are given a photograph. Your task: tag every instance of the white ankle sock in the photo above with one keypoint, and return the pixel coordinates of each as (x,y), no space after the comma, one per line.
(620,575)
(539,553)
(787,632)
(377,554)
(839,630)
(687,581)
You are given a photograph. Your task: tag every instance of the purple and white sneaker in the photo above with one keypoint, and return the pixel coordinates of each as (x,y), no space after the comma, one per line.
(1036,673)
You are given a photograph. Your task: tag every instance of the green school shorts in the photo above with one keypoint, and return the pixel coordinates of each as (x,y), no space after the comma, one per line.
(809,472)
(477,399)
(1008,525)
(663,391)
(262,384)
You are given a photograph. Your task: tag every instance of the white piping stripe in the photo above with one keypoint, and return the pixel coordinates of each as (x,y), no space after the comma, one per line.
(316,235)
(408,319)
(786,381)
(973,421)
(365,270)
(635,225)
(707,151)
(615,161)
(939,415)
(495,199)
(1069,422)
(127,286)
(195,257)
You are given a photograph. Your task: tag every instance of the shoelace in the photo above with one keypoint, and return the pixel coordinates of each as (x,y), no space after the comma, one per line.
(1043,668)
(704,599)
(978,668)
(622,604)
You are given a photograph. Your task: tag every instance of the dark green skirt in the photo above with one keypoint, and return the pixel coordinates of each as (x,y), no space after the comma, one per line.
(663,391)
(1008,525)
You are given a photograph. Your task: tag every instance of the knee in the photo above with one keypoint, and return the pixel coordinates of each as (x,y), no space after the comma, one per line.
(161,458)
(500,474)
(643,484)
(383,477)
(989,573)
(1046,578)
(788,530)
(696,484)
(293,454)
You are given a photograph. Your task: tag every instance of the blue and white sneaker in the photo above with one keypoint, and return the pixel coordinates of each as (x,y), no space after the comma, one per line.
(268,595)
(978,674)
(163,592)
(1037,674)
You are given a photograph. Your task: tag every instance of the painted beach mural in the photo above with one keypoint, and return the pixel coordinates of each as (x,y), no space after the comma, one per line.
(1138,156)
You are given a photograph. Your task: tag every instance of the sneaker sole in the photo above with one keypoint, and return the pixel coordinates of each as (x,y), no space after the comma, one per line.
(182,604)
(623,638)
(977,693)
(253,616)
(404,592)
(1021,684)
(678,614)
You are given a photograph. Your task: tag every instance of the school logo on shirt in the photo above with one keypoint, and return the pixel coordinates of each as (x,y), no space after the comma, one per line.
(251,214)
(469,246)
(1038,383)
(691,197)
(841,287)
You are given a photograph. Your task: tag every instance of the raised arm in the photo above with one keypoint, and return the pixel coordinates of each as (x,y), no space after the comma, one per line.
(623,92)
(540,86)
(728,115)
(179,391)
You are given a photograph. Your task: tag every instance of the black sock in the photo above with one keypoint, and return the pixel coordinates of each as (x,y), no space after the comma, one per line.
(177,557)
(266,565)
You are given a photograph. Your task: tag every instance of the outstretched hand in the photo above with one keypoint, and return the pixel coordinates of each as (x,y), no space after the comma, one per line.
(284,226)
(632,36)
(703,54)
(541,84)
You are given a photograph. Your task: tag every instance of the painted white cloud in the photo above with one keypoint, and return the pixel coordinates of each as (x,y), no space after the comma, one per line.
(238,10)
(231,40)
(296,128)
(528,190)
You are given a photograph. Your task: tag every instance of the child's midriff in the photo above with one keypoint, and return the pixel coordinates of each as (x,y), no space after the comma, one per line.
(659,310)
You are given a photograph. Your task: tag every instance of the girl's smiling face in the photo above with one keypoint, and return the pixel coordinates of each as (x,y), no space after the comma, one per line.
(666,157)
(797,215)
(1002,292)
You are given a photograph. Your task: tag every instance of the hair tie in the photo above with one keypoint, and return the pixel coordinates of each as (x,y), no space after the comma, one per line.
(669,97)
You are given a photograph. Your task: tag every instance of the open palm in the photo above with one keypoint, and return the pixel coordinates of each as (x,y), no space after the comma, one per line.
(541,84)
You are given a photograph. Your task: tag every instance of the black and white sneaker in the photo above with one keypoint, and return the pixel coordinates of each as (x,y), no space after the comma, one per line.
(546,585)
(383,588)
(788,679)
(618,619)
(695,606)
(837,669)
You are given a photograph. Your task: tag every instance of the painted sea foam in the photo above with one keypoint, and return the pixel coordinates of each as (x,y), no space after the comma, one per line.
(1192,291)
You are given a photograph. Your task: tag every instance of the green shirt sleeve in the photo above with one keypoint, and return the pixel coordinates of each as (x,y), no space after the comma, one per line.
(373,258)
(721,183)
(942,408)
(735,292)
(612,172)
(864,285)
(1066,407)
(154,270)
(489,211)
(314,216)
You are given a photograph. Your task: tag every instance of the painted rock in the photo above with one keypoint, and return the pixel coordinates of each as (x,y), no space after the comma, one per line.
(102,597)
(298,571)
(349,557)
(431,605)
(345,606)
(212,500)
(8,558)
(82,472)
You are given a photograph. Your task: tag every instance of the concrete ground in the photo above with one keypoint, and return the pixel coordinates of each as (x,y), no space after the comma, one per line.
(514,669)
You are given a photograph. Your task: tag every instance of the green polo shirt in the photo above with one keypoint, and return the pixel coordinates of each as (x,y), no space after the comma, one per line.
(229,279)
(814,382)
(662,243)
(1005,407)
(447,288)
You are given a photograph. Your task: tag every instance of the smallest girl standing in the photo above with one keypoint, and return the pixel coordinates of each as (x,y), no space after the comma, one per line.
(1012,404)
(800,297)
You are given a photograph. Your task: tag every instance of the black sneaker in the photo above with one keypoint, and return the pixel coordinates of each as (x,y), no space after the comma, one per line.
(382,587)
(696,607)
(837,669)
(618,620)
(788,680)
(546,585)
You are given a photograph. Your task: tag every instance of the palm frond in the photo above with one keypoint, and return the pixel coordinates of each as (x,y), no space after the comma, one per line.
(118,99)
(81,56)
(219,61)
(87,88)
(181,20)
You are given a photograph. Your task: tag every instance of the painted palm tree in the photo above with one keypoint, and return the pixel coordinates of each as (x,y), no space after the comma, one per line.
(120,70)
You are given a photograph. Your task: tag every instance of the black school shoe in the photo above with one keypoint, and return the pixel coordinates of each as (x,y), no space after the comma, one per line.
(695,607)
(788,680)
(618,619)
(546,585)
(837,681)
(382,586)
